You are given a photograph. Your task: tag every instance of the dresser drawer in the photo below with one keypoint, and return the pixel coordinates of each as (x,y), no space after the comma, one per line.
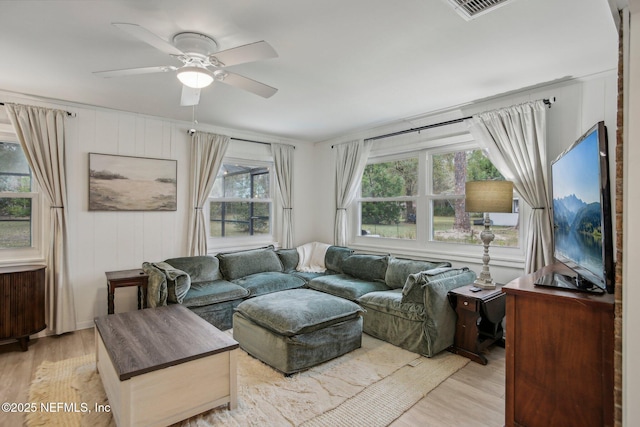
(468,303)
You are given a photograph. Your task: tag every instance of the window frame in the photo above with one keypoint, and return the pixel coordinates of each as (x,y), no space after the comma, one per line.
(35,251)
(423,245)
(227,242)
(415,198)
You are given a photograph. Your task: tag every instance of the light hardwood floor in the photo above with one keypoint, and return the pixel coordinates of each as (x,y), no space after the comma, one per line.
(473,396)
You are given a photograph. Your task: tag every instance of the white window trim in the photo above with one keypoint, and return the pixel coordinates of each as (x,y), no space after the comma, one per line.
(422,246)
(35,252)
(216,244)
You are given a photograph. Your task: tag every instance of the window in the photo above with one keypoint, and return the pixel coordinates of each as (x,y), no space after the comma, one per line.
(18,199)
(450,223)
(240,201)
(389,194)
(420,198)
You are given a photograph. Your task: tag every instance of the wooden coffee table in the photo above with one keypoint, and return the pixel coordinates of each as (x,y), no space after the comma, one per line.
(163,365)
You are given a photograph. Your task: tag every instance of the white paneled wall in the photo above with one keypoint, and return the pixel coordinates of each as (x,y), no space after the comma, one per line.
(106,241)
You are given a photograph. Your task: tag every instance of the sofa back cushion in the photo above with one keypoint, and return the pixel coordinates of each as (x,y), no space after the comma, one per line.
(288,258)
(200,268)
(366,267)
(235,265)
(335,256)
(399,269)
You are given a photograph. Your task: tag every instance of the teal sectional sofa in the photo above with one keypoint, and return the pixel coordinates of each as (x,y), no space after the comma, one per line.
(404,301)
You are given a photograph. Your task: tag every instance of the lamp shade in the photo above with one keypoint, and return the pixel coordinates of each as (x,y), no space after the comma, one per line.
(489,196)
(195,77)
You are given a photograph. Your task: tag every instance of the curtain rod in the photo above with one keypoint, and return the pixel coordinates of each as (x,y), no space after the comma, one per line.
(192,131)
(259,142)
(547,101)
(69,114)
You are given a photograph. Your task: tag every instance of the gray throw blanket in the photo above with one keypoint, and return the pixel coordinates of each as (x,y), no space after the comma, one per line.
(178,282)
(431,288)
(156,286)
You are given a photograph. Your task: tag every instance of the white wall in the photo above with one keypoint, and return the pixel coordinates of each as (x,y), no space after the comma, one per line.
(304,190)
(579,105)
(631,229)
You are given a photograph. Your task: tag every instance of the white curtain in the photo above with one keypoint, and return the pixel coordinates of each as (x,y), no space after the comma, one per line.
(283,161)
(41,134)
(515,138)
(207,152)
(351,159)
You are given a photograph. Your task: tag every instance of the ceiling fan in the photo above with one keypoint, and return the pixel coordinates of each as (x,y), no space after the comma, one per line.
(202,62)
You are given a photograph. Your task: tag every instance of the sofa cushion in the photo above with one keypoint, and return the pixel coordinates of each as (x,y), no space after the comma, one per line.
(199,268)
(298,311)
(269,281)
(366,267)
(217,291)
(308,276)
(178,282)
(335,256)
(235,265)
(288,259)
(390,302)
(345,286)
(399,269)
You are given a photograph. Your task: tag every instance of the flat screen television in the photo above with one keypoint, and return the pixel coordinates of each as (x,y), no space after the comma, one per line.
(582,223)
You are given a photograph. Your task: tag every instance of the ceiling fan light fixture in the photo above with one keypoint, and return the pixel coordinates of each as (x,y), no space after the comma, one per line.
(195,77)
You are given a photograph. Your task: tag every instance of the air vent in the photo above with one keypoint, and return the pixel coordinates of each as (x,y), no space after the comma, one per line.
(470,9)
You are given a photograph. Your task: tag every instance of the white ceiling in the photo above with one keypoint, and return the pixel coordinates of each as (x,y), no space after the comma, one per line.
(343,65)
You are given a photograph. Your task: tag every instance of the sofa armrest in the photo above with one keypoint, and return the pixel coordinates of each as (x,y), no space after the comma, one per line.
(432,287)
(156,286)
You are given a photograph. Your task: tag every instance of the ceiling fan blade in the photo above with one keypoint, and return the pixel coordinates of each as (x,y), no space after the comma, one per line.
(148,37)
(246,53)
(190,96)
(135,71)
(249,85)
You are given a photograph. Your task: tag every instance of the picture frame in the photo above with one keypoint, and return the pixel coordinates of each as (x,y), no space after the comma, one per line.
(127,183)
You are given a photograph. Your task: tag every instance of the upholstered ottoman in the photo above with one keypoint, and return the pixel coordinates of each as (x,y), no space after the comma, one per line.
(296,329)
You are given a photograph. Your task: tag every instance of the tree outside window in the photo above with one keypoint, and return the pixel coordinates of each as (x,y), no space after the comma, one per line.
(16,198)
(450,172)
(389,194)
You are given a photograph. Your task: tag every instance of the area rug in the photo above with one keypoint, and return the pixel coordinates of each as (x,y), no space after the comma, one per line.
(370,386)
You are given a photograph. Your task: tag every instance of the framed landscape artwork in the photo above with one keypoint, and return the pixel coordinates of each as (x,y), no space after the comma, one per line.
(125,183)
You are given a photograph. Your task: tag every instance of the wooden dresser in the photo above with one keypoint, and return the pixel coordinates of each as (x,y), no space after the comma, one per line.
(559,349)
(22,302)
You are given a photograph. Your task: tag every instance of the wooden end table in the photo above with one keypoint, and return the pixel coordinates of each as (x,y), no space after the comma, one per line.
(163,365)
(479,321)
(123,278)
(22,302)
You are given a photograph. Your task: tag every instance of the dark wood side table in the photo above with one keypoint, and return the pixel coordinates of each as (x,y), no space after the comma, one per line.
(22,302)
(479,321)
(124,278)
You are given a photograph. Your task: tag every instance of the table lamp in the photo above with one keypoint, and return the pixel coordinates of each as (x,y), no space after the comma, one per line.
(488,196)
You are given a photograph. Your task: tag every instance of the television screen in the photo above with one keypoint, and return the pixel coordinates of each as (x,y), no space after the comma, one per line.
(582,212)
